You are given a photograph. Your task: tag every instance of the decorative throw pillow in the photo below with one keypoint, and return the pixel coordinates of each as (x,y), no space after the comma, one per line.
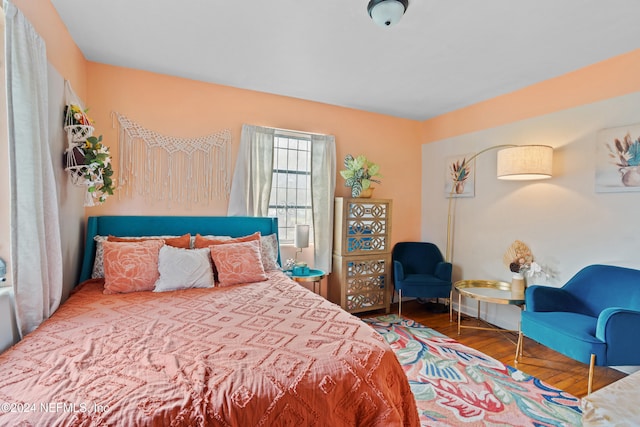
(238,262)
(98,265)
(183,241)
(202,242)
(130,266)
(269,252)
(209,236)
(184,268)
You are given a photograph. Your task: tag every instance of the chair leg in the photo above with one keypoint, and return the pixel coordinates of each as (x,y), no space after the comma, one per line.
(592,364)
(519,348)
(400,302)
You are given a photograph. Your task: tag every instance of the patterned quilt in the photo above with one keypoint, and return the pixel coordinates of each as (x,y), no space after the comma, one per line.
(262,354)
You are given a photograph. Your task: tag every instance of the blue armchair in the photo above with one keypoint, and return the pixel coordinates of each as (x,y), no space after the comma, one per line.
(594,318)
(419,270)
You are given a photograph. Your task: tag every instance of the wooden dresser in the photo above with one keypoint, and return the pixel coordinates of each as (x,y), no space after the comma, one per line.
(361,277)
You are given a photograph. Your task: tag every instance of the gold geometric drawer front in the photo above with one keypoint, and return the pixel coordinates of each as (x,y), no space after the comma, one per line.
(364,302)
(367,274)
(366,234)
(366,283)
(362,226)
(367,210)
(361,279)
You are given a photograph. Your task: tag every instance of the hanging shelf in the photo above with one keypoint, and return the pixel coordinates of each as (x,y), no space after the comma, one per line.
(77,124)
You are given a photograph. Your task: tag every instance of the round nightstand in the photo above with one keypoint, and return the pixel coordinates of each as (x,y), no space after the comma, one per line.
(314,276)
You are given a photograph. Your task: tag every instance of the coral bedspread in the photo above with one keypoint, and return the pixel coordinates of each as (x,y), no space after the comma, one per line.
(262,354)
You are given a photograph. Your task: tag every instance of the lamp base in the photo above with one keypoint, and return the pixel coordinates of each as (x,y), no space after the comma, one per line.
(517,286)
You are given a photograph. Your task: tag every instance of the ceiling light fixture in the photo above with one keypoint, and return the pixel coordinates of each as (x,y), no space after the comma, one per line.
(387,12)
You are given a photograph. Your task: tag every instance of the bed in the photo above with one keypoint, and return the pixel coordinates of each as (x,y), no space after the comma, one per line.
(267,353)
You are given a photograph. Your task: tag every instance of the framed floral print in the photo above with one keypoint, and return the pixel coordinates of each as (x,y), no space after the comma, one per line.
(618,159)
(459,176)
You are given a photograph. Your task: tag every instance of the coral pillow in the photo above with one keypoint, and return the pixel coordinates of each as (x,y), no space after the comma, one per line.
(98,268)
(183,268)
(130,266)
(203,242)
(183,241)
(238,262)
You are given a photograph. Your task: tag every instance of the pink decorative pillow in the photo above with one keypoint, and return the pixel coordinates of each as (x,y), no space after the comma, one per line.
(238,262)
(203,242)
(183,241)
(130,266)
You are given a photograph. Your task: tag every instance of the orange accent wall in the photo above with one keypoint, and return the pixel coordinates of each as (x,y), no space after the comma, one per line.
(187,108)
(607,79)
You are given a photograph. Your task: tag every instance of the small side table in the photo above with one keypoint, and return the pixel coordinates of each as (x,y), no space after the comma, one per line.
(492,291)
(314,276)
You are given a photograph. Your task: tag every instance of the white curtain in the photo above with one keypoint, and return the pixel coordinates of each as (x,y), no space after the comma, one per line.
(251,185)
(323,177)
(35,231)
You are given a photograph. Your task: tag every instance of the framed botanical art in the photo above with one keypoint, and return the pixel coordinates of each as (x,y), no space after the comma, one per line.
(618,159)
(459,178)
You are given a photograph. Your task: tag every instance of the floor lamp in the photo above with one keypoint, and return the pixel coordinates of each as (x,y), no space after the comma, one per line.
(515,162)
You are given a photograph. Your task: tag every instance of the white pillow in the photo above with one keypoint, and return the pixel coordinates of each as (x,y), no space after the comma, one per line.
(183,268)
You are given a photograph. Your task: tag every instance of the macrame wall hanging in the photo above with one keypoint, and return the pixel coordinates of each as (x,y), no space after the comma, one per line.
(185,171)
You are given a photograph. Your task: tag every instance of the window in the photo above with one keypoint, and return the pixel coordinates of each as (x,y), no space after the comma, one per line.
(290,199)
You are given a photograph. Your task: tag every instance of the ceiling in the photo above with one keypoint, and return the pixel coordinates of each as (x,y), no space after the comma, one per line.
(443,55)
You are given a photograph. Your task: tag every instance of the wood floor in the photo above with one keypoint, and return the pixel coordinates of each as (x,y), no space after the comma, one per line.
(538,361)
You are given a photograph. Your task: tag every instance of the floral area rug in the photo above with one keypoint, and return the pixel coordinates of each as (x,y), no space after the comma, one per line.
(455,385)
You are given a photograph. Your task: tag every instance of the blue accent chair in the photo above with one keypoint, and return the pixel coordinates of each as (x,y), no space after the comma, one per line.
(420,271)
(594,318)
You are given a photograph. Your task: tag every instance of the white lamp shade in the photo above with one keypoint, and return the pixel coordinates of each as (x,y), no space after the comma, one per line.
(387,13)
(301,238)
(525,162)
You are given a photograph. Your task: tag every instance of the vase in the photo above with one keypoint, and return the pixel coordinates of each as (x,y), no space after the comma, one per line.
(631,176)
(517,286)
(459,187)
(366,194)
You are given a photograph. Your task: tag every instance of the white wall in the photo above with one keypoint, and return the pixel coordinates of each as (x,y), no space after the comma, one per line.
(564,221)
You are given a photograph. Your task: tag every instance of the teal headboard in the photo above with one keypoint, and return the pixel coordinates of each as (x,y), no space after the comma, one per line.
(234,226)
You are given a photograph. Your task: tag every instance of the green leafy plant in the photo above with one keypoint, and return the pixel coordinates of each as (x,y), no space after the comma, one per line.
(99,172)
(359,173)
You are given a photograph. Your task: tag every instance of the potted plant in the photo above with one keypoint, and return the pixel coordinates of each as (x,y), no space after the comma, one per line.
(77,123)
(98,172)
(87,160)
(89,165)
(359,175)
